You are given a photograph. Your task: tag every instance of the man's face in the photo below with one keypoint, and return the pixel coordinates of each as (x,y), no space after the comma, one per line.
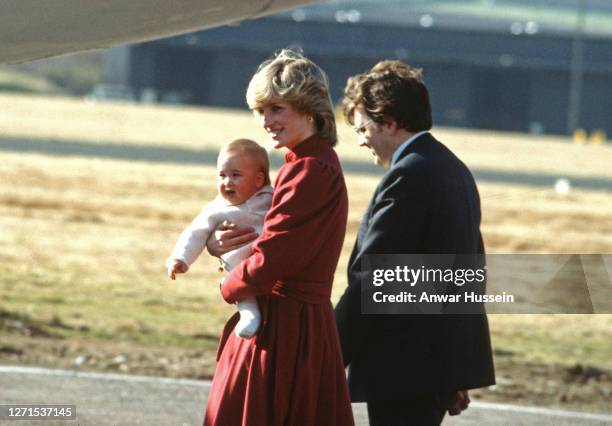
(373,137)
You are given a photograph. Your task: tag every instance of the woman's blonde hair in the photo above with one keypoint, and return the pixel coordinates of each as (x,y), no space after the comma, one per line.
(291,77)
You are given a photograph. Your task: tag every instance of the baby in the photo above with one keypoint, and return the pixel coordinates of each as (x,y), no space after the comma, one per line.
(244,197)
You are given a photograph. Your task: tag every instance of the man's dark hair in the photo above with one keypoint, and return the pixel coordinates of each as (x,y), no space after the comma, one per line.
(392,89)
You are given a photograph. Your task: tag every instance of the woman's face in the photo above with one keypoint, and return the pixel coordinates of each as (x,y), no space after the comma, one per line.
(284,124)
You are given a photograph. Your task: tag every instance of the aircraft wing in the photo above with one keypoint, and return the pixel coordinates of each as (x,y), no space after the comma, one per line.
(33,29)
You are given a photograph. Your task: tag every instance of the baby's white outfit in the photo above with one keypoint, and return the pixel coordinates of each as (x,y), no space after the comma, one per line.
(193,240)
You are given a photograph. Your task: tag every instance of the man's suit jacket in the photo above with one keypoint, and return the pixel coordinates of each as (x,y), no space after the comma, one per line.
(426,203)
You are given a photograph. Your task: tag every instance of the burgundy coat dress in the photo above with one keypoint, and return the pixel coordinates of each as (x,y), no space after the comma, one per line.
(292,372)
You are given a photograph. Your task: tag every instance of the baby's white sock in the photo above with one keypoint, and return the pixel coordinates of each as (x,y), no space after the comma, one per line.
(250,318)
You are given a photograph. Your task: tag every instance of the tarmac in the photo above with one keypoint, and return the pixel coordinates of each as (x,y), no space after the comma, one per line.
(174,155)
(114,399)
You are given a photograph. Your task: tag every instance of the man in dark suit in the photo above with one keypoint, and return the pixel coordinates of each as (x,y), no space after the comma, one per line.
(410,369)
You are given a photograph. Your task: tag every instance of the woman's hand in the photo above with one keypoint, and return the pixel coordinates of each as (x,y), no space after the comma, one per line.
(228,237)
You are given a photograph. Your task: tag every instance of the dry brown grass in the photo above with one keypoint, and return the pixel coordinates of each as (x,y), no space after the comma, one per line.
(85,239)
(69,119)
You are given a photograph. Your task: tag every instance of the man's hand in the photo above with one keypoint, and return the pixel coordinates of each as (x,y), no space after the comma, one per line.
(459,402)
(228,237)
(175,266)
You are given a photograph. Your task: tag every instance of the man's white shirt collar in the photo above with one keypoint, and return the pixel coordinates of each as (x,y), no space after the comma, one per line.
(405,145)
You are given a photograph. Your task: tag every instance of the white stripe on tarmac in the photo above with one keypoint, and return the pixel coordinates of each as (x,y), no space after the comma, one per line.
(542,411)
(206,384)
(102,376)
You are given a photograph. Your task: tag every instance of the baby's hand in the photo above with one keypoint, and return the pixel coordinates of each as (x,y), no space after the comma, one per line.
(175,266)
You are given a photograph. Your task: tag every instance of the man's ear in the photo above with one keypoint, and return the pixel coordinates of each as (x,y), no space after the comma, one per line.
(389,125)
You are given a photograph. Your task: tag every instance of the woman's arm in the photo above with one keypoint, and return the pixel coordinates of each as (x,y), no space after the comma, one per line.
(303,207)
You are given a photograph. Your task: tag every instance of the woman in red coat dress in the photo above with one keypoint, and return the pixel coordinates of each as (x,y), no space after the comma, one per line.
(292,372)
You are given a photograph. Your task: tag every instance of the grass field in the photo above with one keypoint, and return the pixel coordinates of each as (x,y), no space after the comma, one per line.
(83,240)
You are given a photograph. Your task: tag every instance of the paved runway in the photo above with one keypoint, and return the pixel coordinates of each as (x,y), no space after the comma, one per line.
(111,399)
(144,153)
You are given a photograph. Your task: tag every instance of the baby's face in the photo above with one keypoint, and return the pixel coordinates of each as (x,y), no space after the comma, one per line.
(238,177)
